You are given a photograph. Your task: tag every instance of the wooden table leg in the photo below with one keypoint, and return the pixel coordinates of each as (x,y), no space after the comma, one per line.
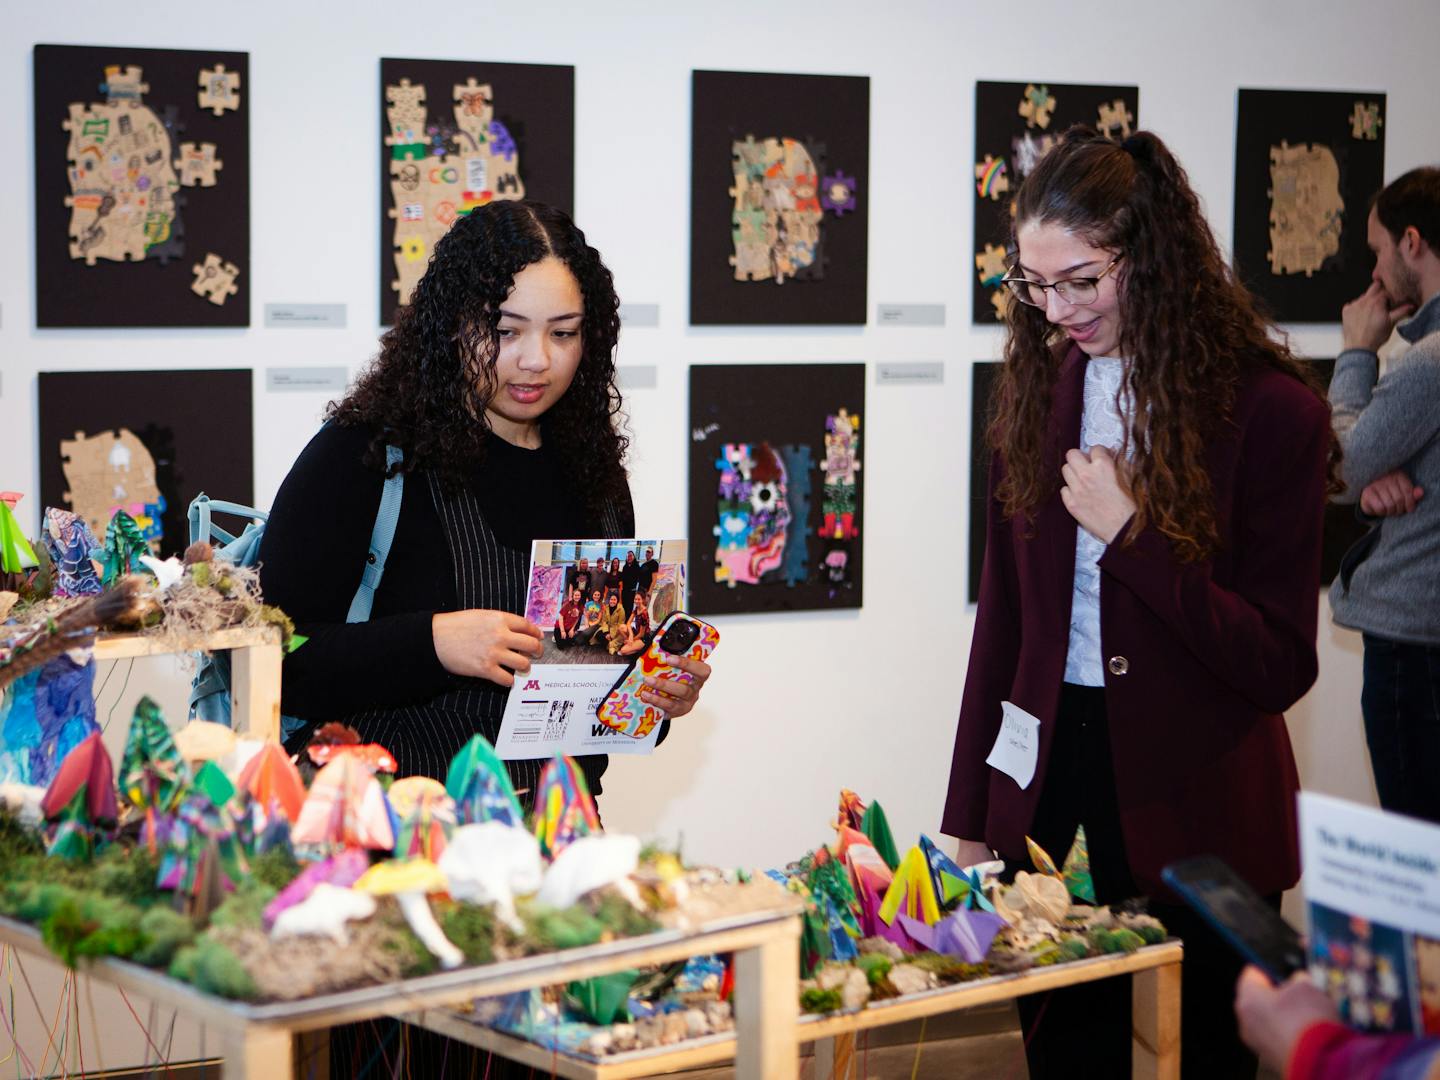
(835,1057)
(255,691)
(259,1053)
(768,1007)
(1156,1024)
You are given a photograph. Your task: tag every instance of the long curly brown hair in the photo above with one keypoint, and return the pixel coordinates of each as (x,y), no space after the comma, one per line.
(426,390)
(1187,345)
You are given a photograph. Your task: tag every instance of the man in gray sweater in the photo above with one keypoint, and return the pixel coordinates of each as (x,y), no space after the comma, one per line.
(1389,584)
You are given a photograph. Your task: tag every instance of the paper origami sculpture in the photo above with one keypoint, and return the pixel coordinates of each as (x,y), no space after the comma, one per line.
(80,801)
(375,756)
(342,870)
(963,934)
(408,880)
(913,889)
(492,863)
(480,785)
(271,779)
(324,913)
(345,808)
(123,547)
(204,856)
(426,815)
(564,810)
(16,554)
(876,826)
(152,773)
(69,543)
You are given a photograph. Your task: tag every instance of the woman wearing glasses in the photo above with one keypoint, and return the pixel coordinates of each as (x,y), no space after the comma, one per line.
(1151,577)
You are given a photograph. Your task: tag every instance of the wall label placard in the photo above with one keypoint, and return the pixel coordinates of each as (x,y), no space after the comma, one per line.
(910,314)
(640,314)
(305,316)
(306,379)
(928,372)
(638,376)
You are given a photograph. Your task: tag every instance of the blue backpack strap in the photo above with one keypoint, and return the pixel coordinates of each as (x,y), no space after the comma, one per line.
(386,518)
(202,528)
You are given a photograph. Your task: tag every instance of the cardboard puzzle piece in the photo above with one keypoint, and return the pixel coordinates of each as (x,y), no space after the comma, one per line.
(1306,207)
(1000,300)
(990,179)
(1036,106)
(198,164)
(215,279)
(219,89)
(121,174)
(1027,150)
(1366,121)
(842,462)
(991,264)
(405,113)
(778,207)
(1115,119)
(798,461)
(474,111)
(442,170)
(123,85)
(754,513)
(109,471)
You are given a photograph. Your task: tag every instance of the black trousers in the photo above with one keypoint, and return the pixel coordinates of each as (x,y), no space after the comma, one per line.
(1084,1031)
(1401,703)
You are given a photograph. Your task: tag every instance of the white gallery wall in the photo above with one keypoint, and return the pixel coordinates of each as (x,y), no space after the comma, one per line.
(801,704)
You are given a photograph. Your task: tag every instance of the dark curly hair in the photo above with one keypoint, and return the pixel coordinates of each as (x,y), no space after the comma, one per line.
(426,390)
(1187,345)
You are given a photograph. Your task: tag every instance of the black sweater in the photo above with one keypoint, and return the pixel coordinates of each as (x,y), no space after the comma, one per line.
(315,547)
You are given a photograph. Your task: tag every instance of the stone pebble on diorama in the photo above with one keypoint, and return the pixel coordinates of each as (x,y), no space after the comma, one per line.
(142,184)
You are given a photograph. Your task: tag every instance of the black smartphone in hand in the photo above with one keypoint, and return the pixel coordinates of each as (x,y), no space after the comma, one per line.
(1238,914)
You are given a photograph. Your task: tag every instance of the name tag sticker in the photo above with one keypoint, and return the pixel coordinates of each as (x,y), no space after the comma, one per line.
(1017,747)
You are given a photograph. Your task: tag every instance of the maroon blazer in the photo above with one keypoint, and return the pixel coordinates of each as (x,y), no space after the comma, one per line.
(1201,658)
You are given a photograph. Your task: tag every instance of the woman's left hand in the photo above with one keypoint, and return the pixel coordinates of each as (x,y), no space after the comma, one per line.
(674,697)
(1093,495)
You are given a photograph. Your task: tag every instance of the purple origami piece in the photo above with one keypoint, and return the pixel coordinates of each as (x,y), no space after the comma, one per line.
(874,926)
(343,870)
(964,934)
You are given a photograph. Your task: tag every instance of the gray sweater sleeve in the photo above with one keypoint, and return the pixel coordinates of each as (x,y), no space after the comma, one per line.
(1382,425)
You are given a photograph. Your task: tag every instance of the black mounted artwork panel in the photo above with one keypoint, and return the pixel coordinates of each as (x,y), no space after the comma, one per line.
(1307,164)
(147,442)
(779,199)
(1015,124)
(142,187)
(455,134)
(776,487)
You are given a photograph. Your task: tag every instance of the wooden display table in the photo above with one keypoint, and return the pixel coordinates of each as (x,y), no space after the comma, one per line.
(258,1039)
(254,671)
(1156,1022)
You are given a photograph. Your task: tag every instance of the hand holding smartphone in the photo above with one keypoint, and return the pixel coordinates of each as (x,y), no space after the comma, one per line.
(679,635)
(1238,914)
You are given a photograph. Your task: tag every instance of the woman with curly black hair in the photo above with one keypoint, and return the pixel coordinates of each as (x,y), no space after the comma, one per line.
(497,387)
(1150,588)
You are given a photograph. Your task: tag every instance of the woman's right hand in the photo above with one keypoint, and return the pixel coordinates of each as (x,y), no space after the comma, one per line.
(970,852)
(485,644)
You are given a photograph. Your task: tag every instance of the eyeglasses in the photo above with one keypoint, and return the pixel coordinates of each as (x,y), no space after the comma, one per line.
(1075,290)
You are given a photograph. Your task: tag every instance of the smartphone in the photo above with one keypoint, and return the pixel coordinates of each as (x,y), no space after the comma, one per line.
(679,635)
(1238,914)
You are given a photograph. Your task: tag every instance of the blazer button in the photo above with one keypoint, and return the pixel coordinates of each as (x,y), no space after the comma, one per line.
(1118,665)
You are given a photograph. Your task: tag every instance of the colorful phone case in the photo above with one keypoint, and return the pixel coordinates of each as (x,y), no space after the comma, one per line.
(622,710)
